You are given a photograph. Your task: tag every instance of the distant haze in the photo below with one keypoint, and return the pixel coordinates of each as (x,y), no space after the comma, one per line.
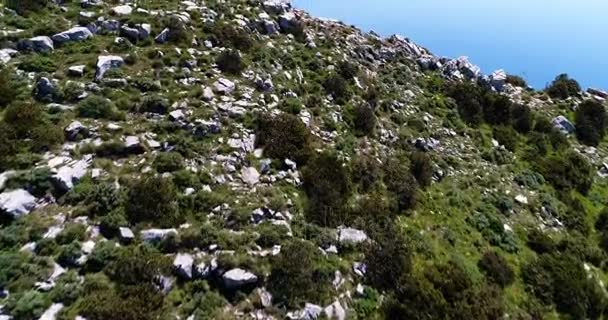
(536,39)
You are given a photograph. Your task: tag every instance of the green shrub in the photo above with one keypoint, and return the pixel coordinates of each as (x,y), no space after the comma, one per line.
(336,86)
(22,117)
(366,172)
(227,35)
(517,81)
(178,31)
(8,147)
(28,305)
(36,181)
(563,87)
(230,62)
(154,104)
(111,222)
(496,269)
(153,199)
(327,184)
(284,137)
(103,198)
(421,167)
(590,122)
(24,7)
(388,260)
(135,265)
(506,137)
(168,162)
(497,108)
(562,280)
(46,136)
(37,63)
(348,70)
(97,107)
(103,254)
(540,242)
(401,183)
(469,98)
(364,120)
(10,88)
(69,254)
(522,118)
(295,277)
(567,172)
(73,232)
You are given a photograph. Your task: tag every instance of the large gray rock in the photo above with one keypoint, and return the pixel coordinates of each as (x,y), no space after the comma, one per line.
(67,176)
(205,269)
(250,176)
(139,32)
(110,26)
(76,71)
(73,34)
(277,6)
(598,92)
(350,235)
(123,10)
(17,203)
(335,311)
(45,89)
(155,235)
(288,21)
(310,312)
(7,54)
(105,63)
(4,176)
(237,278)
(163,36)
(41,44)
(498,79)
(52,312)
(75,129)
(224,86)
(183,264)
(564,125)
(133,145)
(125,234)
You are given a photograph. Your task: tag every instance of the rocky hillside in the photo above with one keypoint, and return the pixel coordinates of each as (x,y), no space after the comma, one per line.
(240,159)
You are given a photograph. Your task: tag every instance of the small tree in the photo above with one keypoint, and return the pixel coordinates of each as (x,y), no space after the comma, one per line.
(365,120)
(96,107)
(153,199)
(231,62)
(284,137)
(590,124)
(422,168)
(496,269)
(469,98)
(168,162)
(327,184)
(563,87)
(336,86)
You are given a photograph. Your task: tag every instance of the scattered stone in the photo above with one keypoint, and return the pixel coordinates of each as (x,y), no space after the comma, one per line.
(238,278)
(123,10)
(224,86)
(250,176)
(564,125)
(45,89)
(17,203)
(350,235)
(105,63)
(73,34)
(156,235)
(125,234)
(74,130)
(521,199)
(76,71)
(183,265)
(67,176)
(42,44)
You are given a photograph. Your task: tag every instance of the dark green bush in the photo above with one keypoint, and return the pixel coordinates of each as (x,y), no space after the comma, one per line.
(154,104)
(284,137)
(401,183)
(506,136)
(10,88)
(496,269)
(97,107)
(69,254)
(497,108)
(388,260)
(46,136)
(168,162)
(295,277)
(364,120)
(522,118)
(135,265)
(28,305)
(227,35)
(8,147)
(230,62)
(153,199)
(103,198)
(348,70)
(37,63)
(24,7)
(590,122)
(327,184)
(517,81)
(73,232)
(563,87)
(567,172)
(421,167)
(561,279)
(336,86)
(470,99)
(540,242)
(22,117)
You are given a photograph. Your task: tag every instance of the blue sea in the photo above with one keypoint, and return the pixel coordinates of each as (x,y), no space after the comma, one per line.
(536,39)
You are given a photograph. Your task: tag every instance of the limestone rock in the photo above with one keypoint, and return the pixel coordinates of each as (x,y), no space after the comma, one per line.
(105,63)
(17,203)
(73,34)
(237,278)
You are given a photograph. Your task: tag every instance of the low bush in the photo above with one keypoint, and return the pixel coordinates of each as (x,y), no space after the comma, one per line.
(153,199)
(364,120)
(401,183)
(97,107)
(421,167)
(327,184)
(336,86)
(506,136)
(388,260)
(24,7)
(567,171)
(230,62)
(470,99)
(517,81)
(563,87)
(295,276)
(284,137)
(10,88)
(590,122)
(154,104)
(496,268)
(168,162)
